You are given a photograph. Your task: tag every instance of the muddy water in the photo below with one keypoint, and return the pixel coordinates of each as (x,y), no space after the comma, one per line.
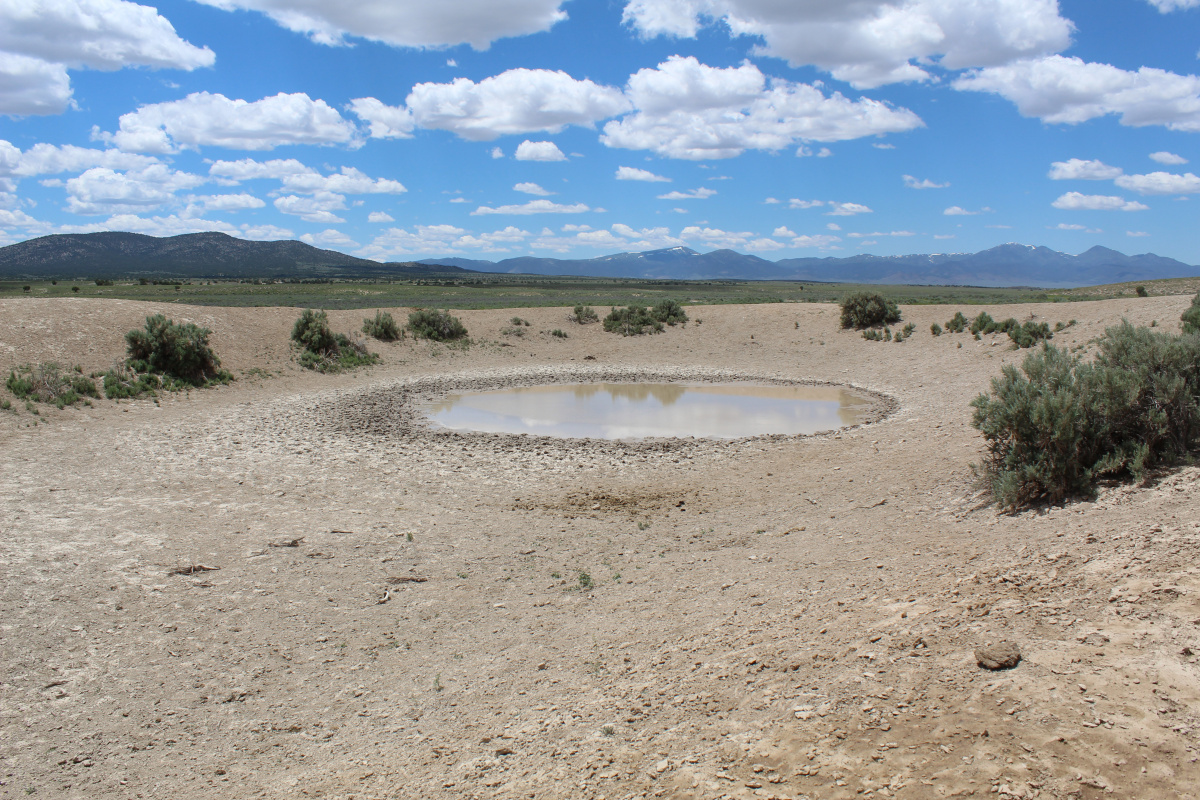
(640,410)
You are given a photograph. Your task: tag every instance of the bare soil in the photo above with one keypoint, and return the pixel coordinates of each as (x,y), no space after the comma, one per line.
(291,588)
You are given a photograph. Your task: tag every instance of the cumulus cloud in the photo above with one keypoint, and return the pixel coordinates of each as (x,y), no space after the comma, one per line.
(1166,6)
(1164,157)
(539,151)
(226,202)
(1077,169)
(531,188)
(39,41)
(383,121)
(328,238)
(913,183)
(715,237)
(513,102)
(299,178)
(870,43)
(686,109)
(48,159)
(635,174)
(497,152)
(796,202)
(822,241)
(878,234)
(1136,234)
(534,207)
(695,194)
(1071,91)
(202,119)
(1160,183)
(441,240)
(1067,226)
(782,231)
(317,208)
(847,210)
(101,190)
(1075,201)
(379,216)
(959,211)
(407,24)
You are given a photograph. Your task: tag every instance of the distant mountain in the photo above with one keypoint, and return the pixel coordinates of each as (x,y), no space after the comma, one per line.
(1005,265)
(192,255)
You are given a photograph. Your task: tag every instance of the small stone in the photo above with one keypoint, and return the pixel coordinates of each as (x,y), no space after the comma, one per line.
(1004,655)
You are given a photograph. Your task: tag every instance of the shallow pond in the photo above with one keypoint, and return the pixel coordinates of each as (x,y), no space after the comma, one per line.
(640,410)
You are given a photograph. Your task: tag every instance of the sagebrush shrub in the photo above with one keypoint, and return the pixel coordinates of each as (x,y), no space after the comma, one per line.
(1191,317)
(935,329)
(383,327)
(632,321)
(49,383)
(180,351)
(585,314)
(957,324)
(312,332)
(438,326)
(868,310)
(1058,424)
(1030,333)
(325,351)
(669,312)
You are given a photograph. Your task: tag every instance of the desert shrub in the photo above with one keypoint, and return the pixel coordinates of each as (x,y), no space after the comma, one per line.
(383,327)
(325,351)
(178,351)
(669,312)
(312,333)
(518,332)
(1191,317)
(517,321)
(908,329)
(49,383)
(103,282)
(868,310)
(935,329)
(1030,333)
(26,289)
(957,324)
(585,314)
(558,333)
(1058,424)
(438,326)
(632,321)
(1141,291)
(121,383)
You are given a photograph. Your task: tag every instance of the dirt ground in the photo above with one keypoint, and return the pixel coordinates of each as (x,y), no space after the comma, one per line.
(371,609)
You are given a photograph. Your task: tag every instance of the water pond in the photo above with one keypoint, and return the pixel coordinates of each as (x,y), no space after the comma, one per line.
(641,410)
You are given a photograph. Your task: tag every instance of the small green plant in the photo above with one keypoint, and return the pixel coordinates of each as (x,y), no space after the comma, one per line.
(1029,334)
(608,730)
(517,332)
(49,383)
(437,682)
(868,310)
(957,323)
(642,526)
(325,351)
(5,405)
(435,325)
(517,321)
(935,329)
(382,327)
(585,315)
(558,333)
(908,330)
(1141,291)
(408,536)
(556,575)
(462,575)
(585,581)
(75,289)
(27,289)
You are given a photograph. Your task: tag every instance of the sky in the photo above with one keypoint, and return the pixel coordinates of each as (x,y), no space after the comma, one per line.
(397,130)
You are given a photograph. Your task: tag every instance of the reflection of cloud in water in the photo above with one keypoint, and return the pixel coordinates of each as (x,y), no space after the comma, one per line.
(626,411)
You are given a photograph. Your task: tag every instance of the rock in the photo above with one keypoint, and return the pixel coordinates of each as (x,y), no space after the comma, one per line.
(1004,655)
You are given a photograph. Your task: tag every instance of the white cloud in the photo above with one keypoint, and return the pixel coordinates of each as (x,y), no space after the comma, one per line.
(407,24)
(379,216)
(798,203)
(101,190)
(171,225)
(1136,234)
(328,238)
(497,152)
(1074,201)
(301,179)
(1066,226)
(441,240)
(384,121)
(531,188)
(1076,169)
(318,208)
(1070,90)
(847,209)
(15,218)
(539,151)
(944,236)
(878,234)
(1160,183)
(913,183)
(695,194)
(635,174)
(39,41)
(771,201)
(715,237)
(958,211)
(1163,157)
(212,119)
(883,146)
(763,245)
(870,43)
(513,102)
(689,110)
(804,151)
(265,233)
(534,207)
(1166,6)
(48,159)
(782,231)
(822,241)
(833,226)
(227,202)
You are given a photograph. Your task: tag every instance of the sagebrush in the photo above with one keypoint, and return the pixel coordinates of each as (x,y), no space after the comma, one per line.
(382,327)
(435,325)
(325,351)
(177,350)
(868,310)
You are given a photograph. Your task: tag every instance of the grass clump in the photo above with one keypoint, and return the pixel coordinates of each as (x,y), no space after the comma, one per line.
(435,325)
(1057,425)
(585,315)
(50,383)
(325,351)
(558,333)
(383,327)
(868,310)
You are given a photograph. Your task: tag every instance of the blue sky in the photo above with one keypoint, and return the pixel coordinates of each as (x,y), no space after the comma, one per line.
(575,128)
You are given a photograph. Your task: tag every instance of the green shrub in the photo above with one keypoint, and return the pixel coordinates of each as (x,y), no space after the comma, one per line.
(908,330)
(383,327)
(868,310)
(957,324)
(178,351)
(1030,333)
(1191,317)
(312,333)
(325,351)
(1057,425)
(935,329)
(26,289)
(518,332)
(669,312)
(48,383)
(632,321)
(585,314)
(122,383)
(518,322)
(103,282)
(558,333)
(435,325)
(1141,291)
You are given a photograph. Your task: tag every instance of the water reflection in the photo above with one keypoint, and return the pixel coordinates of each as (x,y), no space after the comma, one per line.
(639,410)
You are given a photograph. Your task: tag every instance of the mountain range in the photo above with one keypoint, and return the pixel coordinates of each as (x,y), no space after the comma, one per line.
(218,255)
